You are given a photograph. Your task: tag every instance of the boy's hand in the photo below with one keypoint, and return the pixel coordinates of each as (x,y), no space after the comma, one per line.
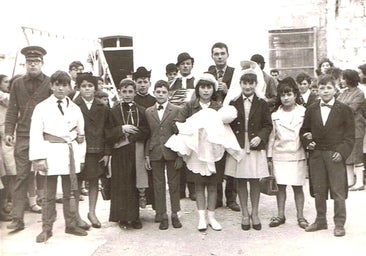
(130,129)
(336,157)
(40,165)
(255,142)
(104,159)
(80,139)
(178,163)
(311,145)
(147,163)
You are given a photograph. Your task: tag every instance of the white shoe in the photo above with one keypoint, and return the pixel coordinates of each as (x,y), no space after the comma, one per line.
(212,221)
(202,224)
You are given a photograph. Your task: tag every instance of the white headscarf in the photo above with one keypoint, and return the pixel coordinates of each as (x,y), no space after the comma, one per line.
(246,66)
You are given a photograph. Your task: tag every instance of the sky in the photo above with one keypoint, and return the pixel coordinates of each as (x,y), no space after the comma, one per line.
(161,29)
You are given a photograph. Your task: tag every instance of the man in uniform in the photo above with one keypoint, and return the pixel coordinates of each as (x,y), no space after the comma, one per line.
(26,92)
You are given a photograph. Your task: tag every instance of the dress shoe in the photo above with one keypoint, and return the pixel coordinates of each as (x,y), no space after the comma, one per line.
(136,224)
(76,231)
(35,208)
(82,224)
(315,227)
(43,236)
(302,222)
(276,221)
(164,224)
(16,224)
(245,223)
(4,216)
(176,222)
(123,224)
(357,188)
(257,226)
(233,206)
(59,200)
(94,221)
(339,231)
(84,192)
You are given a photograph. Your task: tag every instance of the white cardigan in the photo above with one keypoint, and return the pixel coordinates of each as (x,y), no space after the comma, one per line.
(284,142)
(47,118)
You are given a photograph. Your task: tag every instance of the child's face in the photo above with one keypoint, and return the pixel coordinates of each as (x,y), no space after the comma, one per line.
(127,94)
(171,75)
(326,91)
(303,86)
(288,99)
(324,67)
(104,100)
(205,91)
(87,90)
(142,85)
(4,85)
(248,88)
(161,94)
(60,90)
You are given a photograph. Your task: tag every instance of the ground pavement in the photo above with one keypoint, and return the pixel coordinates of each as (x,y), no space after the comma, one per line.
(287,239)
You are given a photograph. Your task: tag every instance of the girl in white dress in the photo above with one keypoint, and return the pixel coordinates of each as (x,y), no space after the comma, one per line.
(286,151)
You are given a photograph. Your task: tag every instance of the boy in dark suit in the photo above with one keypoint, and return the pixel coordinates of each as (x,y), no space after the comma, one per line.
(160,118)
(328,132)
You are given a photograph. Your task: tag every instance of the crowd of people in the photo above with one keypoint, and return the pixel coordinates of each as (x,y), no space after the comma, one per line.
(192,133)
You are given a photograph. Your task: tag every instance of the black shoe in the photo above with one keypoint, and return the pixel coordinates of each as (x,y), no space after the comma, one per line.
(164,224)
(16,224)
(176,222)
(339,231)
(257,226)
(276,221)
(316,226)
(82,224)
(94,221)
(245,226)
(76,231)
(43,236)
(136,224)
(123,224)
(233,206)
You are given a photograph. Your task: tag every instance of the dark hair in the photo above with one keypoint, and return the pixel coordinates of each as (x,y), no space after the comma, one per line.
(61,77)
(259,59)
(2,77)
(100,94)
(220,45)
(100,79)
(160,84)
(274,70)
(363,70)
(126,82)
(205,82)
(87,76)
(325,79)
(303,76)
(248,77)
(287,85)
(351,77)
(75,64)
(318,70)
(335,72)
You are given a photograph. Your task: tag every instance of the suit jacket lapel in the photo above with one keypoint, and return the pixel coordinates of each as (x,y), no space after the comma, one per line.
(239,104)
(154,114)
(167,112)
(254,106)
(331,116)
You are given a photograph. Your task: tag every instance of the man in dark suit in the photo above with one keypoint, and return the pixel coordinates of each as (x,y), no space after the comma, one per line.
(328,132)
(224,76)
(160,118)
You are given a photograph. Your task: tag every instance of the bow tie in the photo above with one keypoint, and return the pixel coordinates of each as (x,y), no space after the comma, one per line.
(248,99)
(326,105)
(160,107)
(127,104)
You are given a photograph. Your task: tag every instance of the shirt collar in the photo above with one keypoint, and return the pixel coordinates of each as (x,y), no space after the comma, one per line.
(164,104)
(187,77)
(88,102)
(331,102)
(250,97)
(223,69)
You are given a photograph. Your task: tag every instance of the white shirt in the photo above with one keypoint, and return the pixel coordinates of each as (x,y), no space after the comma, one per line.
(325,110)
(88,103)
(305,96)
(161,111)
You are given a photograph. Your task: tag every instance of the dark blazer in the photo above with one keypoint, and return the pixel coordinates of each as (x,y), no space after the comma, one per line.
(337,135)
(160,132)
(259,123)
(97,119)
(193,107)
(312,99)
(227,78)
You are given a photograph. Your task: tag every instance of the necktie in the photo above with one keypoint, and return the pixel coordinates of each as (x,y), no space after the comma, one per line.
(160,107)
(220,74)
(326,105)
(302,101)
(59,106)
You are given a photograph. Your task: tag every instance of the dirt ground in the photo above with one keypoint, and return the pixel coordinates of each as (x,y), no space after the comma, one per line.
(288,239)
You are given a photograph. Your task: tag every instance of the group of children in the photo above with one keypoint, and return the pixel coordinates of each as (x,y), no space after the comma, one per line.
(141,136)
